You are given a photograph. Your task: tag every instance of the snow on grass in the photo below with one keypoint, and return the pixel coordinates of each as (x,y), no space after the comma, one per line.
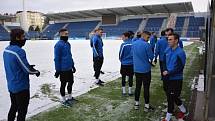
(106,103)
(45,89)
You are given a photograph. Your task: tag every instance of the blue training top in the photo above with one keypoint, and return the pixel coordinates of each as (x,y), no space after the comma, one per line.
(142,55)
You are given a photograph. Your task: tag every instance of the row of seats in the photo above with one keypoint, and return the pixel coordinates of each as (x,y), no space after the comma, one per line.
(82,29)
(154,24)
(194,26)
(125,25)
(4,35)
(51,30)
(179,24)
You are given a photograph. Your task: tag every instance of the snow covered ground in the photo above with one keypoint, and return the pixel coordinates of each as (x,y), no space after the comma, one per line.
(45,89)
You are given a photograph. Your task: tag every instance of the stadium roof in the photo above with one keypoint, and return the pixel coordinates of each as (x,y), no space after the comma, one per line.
(123,11)
(3,17)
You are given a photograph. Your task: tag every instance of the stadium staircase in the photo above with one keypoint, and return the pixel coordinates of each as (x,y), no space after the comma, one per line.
(164,24)
(185,27)
(179,25)
(172,20)
(142,24)
(57,33)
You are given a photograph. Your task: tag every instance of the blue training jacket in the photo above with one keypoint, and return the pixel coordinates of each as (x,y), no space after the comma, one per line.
(97,46)
(142,55)
(125,53)
(134,39)
(63,56)
(180,44)
(161,46)
(174,62)
(17,69)
(152,41)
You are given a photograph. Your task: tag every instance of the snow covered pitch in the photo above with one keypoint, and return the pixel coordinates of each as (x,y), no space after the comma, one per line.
(45,89)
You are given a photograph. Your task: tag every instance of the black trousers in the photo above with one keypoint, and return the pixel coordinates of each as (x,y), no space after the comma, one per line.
(163,78)
(19,104)
(130,81)
(174,88)
(145,79)
(66,78)
(127,70)
(97,65)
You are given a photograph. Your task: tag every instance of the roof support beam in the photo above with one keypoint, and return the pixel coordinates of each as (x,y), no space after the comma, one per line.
(65,16)
(131,11)
(166,8)
(148,10)
(97,12)
(114,12)
(87,14)
(77,16)
(185,7)
(54,17)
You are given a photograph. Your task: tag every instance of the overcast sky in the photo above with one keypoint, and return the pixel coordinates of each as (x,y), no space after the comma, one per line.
(53,6)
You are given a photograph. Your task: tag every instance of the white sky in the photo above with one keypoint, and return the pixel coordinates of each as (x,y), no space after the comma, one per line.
(50,6)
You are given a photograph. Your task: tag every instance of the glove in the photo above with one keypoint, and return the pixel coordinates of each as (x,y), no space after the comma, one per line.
(32,66)
(57,74)
(155,60)
(33,69)
(38,73)
(73,69)
(152,64)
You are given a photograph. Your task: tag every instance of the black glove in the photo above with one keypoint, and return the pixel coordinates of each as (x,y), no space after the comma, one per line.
(73,69)
(155,60)
(33,69)
(57,74)
(32,66)
(38,73)
(152,64)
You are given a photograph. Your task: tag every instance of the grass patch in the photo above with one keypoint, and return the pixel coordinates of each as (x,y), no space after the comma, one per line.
(107,104)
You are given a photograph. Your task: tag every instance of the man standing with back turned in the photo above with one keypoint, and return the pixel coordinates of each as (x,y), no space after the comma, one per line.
(142,58)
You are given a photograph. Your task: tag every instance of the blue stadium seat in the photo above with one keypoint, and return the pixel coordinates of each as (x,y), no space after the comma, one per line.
(123,26)
(179,25)
(194,24)
(13,27)
(4,35)
(81,29)
(33,34)
(51,30)
(154,24)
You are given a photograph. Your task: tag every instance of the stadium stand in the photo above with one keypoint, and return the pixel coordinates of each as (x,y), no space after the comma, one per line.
(194,26)
(13,27)
(33,34)
(179,25)
(4,35)
(154,24)
(130,20)
(51,30)
(125,25)
(81,29)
